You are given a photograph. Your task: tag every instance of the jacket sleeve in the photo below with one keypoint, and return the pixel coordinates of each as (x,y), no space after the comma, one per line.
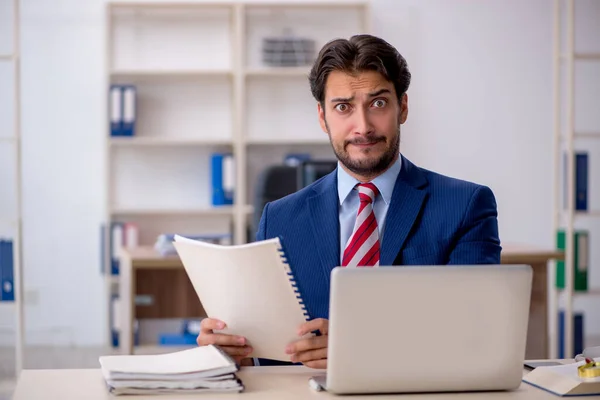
(478,241)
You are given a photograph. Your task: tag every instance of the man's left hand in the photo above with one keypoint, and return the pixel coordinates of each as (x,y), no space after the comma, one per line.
(311,352)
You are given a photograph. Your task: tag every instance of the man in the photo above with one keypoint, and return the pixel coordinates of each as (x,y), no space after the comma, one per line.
(377,208)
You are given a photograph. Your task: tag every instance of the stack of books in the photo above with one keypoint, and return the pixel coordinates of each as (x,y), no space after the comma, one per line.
(196,370)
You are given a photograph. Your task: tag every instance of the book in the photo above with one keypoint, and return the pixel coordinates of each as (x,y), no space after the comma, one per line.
(563,380)
(251,288)
(195,370)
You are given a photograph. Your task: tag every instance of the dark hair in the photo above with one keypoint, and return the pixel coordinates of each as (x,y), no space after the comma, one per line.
(357,54)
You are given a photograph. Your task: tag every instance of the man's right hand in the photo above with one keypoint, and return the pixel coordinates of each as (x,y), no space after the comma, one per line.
(236,346)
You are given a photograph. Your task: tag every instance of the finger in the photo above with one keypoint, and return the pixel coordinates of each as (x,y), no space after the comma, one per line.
(220,339)
(208,324)
(319,324)
(311,355)
(316,342)
(317,364)
(234,351)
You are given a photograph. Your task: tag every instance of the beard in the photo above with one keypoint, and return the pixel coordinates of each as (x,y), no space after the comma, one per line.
(371,166)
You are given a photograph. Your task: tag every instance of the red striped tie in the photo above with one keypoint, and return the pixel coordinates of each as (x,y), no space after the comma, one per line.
(362,249)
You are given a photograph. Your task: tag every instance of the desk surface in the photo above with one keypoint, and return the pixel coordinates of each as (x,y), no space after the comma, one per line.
(263,383)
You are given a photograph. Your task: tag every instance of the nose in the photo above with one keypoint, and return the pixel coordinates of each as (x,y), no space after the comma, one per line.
(362,125)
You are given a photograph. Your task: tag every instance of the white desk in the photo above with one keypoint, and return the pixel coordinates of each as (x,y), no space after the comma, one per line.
(264,383)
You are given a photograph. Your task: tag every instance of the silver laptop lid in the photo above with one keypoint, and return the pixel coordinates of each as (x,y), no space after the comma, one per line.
(427,328)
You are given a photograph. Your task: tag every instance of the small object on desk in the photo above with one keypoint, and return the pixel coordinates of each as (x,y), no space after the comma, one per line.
(563,380)
(196,370)
(590,369)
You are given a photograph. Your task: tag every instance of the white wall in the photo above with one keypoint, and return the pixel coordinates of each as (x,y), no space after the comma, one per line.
(480,109)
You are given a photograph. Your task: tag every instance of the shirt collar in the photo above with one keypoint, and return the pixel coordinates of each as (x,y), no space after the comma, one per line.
(385,182)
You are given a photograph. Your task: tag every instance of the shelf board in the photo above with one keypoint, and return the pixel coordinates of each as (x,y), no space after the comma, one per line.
(201,211)
(174,4)
(160,74)
(591,213)
(7,57)
(9,139)
(286,141)
(160,142)
(306,3)
(589,292)
(582,56)
(588,135)
(278,72)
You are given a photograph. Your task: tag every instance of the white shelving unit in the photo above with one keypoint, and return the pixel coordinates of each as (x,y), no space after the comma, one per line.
(10,170)
(202,88)
(569,138)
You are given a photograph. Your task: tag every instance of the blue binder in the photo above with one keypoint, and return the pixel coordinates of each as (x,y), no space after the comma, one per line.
(7,288)
(222,179)
(578,340)
(129,110)
(581,181)
(115,107)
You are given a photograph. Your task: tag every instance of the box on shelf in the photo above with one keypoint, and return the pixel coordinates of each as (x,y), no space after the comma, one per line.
(164,243)
(287,51)
(581,257)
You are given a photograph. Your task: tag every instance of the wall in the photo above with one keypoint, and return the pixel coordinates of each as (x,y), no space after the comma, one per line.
(480,109)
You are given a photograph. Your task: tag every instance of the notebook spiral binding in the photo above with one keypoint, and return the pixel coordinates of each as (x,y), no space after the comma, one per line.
(292,278)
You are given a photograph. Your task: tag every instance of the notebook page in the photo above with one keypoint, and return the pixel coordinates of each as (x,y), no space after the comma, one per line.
(247,287)
(181,362)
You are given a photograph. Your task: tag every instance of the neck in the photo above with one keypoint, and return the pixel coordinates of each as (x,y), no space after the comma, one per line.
(368,178)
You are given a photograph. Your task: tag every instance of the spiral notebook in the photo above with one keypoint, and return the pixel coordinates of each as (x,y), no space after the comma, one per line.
(251,288)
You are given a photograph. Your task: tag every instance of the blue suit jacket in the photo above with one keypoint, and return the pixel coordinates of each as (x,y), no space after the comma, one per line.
(432,220)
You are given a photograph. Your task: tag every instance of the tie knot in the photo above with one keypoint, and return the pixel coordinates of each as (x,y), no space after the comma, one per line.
(367,192)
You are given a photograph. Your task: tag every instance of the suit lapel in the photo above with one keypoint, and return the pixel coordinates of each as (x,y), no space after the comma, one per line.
(406,203)
(324,212)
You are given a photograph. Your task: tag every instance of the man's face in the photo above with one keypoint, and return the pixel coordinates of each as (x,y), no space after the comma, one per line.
(362,117)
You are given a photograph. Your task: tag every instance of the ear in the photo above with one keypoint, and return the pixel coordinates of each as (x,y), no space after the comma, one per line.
(403,115)
(322,121)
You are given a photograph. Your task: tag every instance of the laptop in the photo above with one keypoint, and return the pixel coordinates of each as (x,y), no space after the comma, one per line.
(417,329)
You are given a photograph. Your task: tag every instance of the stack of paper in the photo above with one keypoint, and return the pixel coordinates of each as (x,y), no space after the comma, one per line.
(197,370)
(563,380)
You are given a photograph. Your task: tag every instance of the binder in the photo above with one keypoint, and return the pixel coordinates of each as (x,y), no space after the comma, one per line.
(116,244)
(129,110)
(581,181)
(223,178)
(116,110)
(578,329)
(253,283)
(581,260)
(7,289)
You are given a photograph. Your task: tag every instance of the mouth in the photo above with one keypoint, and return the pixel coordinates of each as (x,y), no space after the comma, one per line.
(362,143)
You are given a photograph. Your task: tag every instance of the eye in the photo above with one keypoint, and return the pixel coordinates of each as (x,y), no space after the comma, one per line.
(379,103)
(342,107)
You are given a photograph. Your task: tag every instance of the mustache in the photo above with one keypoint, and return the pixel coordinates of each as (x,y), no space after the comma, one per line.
(366,140)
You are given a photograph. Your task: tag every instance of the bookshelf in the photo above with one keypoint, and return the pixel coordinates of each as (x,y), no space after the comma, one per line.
(202,88)
(11,169)
(575,130)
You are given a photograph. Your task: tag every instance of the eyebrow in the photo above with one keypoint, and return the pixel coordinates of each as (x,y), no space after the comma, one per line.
(349,99)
